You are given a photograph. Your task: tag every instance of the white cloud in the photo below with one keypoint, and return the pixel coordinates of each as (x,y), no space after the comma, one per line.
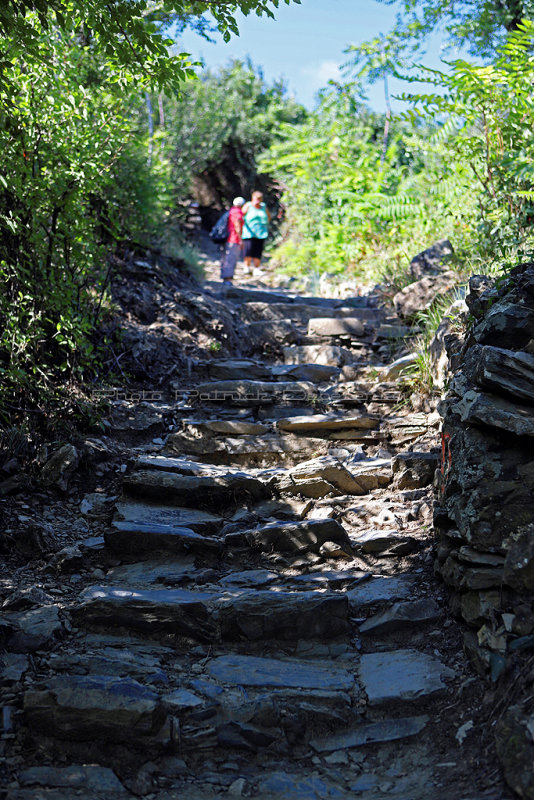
(318,75)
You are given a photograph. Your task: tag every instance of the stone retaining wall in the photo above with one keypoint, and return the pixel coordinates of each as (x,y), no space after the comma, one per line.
(484,518)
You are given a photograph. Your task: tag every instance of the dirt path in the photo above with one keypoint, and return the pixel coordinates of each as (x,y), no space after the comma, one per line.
(259,617)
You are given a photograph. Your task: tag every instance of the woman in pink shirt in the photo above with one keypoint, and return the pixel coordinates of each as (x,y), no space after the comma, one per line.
(234,241)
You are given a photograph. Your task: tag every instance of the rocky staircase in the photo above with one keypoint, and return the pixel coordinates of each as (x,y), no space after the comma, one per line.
(265,623)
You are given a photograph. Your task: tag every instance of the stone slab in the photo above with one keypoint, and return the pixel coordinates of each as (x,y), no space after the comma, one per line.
(386,730)
(238,369)
(194,490)
(144,514)
(348,326)
(315,373)
(134,538)
(76,777)
(401,616)
(241,670)
(210,616)
(328,422)
(151,612)
(283,786)
(380,589)
(89,707)
(376,541)
(401,676)
(281,615)
(270,447)
(149,572)
(329,355)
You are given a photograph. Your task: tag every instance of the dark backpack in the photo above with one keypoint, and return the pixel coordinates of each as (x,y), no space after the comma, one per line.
(219,233)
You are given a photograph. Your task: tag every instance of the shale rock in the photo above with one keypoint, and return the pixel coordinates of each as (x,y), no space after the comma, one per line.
(420,295)
(298,536)
(59,468)
(413,470)
(430,261)
(91,707)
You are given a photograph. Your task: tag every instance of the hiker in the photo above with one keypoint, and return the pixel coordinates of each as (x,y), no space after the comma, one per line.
(255,229)
(234,243)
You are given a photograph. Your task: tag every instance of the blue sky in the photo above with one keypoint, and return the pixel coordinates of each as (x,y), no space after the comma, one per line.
(305,44)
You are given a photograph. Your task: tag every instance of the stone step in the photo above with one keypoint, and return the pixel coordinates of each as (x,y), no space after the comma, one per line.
(319,423)
(295,537)
(240,294)
(321,476)
(249,369)
(197,491)
(60,783)
(330,355)
(348,327)
(258,337)
(241,701)
(137,538)
(269,448)
(303,312)
(97,707)
(237,701)
(398,676)
(212,617)
(143,513)
(252,393)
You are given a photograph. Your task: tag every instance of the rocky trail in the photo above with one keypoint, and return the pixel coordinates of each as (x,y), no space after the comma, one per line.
(246,605)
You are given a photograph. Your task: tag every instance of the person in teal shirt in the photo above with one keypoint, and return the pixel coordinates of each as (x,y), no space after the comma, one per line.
(255,229)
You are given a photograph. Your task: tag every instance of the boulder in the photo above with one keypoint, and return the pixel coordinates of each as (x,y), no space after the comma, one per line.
(294,537)
(420,295)
(60,467)
(36,629)
(430,261)
(34,539)
(413,470)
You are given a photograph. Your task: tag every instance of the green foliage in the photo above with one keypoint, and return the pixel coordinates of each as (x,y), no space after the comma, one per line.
(130,34)
(75,176)
(489,109)
(479,27)
(218,127)
(349,209)
(420,375)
